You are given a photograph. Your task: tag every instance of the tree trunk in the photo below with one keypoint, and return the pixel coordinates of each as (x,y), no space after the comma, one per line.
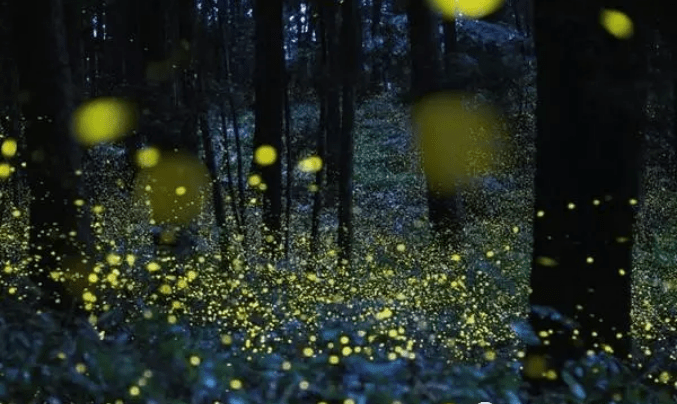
(320,140)
(449,44)
(350,43)
(333,118)
(52,155)
(269,89)
(588,155)
(376,81)
(444,212)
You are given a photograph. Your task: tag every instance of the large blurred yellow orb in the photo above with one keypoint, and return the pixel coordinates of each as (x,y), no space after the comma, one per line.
(617,23)
(100,120)
(175,187)
(473,9)
(456,143)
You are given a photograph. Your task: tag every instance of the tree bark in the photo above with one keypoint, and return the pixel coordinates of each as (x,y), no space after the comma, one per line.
(444,211)
(587,165)
(52,154)
(350,43)
(269,89)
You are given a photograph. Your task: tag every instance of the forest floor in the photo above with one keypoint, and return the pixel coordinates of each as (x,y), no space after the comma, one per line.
(428,325)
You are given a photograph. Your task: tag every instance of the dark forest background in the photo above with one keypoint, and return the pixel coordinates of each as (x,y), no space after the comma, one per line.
(271,168)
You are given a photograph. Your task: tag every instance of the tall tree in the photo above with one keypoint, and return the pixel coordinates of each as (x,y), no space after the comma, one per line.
(444,211)
(349,41)
(52,155)
(449,41)
(377,79)
(332,90)
(587,165)
(321,136)
(269,83)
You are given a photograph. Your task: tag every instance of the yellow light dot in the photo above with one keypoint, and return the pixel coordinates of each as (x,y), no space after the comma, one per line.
(235,384)
(79,202)
(102,120)
(80,368)
(616,23)
(384,314)
(5,170)
(265,155)
(180,190)
(88,297)
(134,391)
(401,247)
(310,164)
(226,339)
(194,360)
(98,209)
(113,259)
(9,147)
(152,266)
(474,9)
(16,213)
(546,261)
(148,157)
(93,278)
(165,289)
(254,180)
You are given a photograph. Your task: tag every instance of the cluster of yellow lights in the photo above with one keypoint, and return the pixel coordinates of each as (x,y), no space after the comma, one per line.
(8,149)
